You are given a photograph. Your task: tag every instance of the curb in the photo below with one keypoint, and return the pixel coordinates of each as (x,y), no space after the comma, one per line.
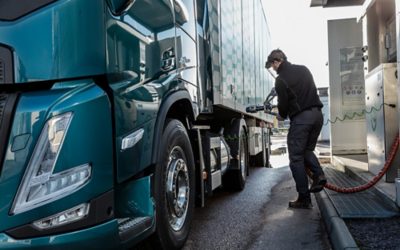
(338,232)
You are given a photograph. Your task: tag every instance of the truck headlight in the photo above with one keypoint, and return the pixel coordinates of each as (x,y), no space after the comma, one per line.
(39,185)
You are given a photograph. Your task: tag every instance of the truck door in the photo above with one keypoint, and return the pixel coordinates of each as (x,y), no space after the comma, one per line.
(186,45)
(141,58)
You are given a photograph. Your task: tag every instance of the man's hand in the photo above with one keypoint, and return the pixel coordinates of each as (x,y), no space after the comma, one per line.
(268,108)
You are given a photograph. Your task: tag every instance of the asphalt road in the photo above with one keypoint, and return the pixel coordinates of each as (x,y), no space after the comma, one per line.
(258,217)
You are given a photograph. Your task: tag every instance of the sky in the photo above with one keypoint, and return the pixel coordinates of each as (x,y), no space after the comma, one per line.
(301,32)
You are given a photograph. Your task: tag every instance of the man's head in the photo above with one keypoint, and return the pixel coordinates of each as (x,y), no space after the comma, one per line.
(275,58)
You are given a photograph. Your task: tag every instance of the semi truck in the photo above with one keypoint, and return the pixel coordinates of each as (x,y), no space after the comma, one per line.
(118,117)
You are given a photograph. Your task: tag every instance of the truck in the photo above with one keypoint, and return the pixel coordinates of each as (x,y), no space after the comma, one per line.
(118,117)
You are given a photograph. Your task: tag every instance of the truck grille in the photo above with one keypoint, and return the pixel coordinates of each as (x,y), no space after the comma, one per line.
(7,103)
(2,78)
(6,65)
(3,99)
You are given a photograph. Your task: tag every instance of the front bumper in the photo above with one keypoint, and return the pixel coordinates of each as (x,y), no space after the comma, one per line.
(103,236)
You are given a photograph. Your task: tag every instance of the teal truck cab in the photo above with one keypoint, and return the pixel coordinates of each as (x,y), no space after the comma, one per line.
(117,117)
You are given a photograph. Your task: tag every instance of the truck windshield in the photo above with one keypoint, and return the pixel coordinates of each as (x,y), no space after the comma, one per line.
(12,10)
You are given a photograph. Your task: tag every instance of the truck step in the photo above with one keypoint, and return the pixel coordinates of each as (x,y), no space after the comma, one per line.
(133,226)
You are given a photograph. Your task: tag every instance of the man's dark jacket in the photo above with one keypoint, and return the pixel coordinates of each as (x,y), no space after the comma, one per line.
(296,90)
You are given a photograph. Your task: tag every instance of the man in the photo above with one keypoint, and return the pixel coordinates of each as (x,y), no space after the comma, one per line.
(298,100)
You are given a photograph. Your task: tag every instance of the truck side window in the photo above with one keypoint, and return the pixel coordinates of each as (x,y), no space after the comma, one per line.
(200,12)
(142,39)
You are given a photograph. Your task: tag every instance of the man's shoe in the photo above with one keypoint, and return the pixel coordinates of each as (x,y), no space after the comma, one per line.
(318,183)
(301,203)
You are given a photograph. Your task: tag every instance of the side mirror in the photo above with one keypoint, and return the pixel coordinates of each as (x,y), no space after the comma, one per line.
(118,7)
(181,12)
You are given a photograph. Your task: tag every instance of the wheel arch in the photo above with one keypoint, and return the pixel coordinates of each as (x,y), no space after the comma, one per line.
(177,105)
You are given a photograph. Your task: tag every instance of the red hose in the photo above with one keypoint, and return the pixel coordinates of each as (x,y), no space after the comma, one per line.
(365,186)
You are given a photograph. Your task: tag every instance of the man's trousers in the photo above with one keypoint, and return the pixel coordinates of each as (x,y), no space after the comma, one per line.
(304,130)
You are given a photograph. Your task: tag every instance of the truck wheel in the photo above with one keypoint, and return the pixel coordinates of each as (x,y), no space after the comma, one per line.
(174,188)
(235,178)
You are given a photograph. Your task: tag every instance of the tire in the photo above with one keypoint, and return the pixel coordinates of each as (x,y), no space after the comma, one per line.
(174,187)
(235,178)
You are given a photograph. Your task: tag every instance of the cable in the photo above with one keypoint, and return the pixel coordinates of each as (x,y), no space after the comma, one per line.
(388,163)
(363,112)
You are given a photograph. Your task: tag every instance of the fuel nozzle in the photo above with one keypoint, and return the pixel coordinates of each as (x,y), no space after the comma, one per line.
(266,107)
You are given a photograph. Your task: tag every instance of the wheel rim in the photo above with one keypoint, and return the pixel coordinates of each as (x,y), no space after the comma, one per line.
(243,157)
(177,188)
